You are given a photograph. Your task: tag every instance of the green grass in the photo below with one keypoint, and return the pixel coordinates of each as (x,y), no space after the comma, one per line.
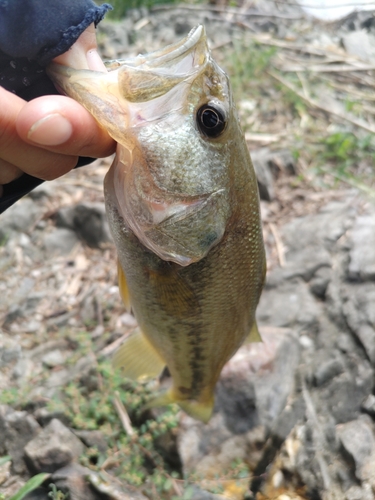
(120,7)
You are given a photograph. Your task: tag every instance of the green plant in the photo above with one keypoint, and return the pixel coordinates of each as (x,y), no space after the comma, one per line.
(56,494)
(120,7)
(246,63)
(31,485)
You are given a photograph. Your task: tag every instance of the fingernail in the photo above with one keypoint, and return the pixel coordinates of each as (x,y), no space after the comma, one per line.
(52,130)
(94,61)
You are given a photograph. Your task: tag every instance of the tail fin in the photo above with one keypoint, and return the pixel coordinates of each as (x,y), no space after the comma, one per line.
(199,410)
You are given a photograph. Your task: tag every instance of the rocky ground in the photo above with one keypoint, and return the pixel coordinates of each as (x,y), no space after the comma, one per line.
(294,417)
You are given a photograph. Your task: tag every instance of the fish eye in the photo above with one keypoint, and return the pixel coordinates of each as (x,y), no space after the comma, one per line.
(211,120)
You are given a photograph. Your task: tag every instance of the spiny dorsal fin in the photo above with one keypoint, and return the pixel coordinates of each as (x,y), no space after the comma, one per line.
(138,358)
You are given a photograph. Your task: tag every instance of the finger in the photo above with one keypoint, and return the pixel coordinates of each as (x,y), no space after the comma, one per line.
(28,158)
(83,54)
(62,125)
(8,172)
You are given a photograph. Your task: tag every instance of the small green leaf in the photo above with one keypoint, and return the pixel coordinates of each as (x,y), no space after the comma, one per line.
(4,460)
(31,485)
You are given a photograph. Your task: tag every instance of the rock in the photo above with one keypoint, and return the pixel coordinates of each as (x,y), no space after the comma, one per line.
(362,255)
(358,493)
(55,358)
(260,159)
(88,220)
(327,370)
(44,416)
(360,44)
(10,350)
(358,441)
(17,428)
(111,489)
(368,405)
(15,311)
(92,439)
(288,305)
(268,166)
(320,282)
(60,241)
(20,217)
(23,370)
(359,312)
(344,394)
(71,480)
(54,447)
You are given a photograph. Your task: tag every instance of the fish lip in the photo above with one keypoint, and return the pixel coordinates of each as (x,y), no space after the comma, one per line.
(169,54)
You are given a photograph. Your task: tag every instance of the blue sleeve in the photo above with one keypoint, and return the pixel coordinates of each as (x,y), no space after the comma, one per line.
(32,33)
(41,30)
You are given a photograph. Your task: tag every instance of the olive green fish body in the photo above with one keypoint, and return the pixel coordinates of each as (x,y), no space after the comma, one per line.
(183,207)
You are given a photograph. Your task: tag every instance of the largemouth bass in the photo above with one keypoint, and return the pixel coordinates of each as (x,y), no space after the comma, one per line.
(183,206)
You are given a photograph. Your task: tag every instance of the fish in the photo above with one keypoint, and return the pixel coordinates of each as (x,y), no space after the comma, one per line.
(183,206)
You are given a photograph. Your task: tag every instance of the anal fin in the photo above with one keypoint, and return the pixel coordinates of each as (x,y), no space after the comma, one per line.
(138,358)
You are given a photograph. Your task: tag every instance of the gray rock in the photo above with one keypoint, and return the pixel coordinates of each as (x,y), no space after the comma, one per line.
(345,393)
(289,305)
(359,493)
(20,217)
(54,447)
(60,241)
(17,428)
(54,358)
(10,351)
(272,366)
(359,312)
(358,441)
(23,370)
(320,281)
(92,439)
(362,255)
(15,311)
(327,370)
(322,229)
(88,220)
(260,159)
(368,405)
(360,44)
(44,417)
(71,480)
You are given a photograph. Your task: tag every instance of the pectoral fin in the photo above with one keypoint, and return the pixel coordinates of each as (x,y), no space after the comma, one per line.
(138,358)
(254,335)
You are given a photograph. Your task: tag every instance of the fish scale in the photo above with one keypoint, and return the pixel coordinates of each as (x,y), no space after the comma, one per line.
(183,206)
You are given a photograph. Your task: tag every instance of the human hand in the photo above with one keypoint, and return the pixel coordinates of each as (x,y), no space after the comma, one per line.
(45,137)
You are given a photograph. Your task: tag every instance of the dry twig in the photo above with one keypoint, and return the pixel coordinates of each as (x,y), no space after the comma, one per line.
(123,414)
(315,104)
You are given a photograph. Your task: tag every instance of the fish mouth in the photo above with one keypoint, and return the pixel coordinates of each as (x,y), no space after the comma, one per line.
(117,98)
